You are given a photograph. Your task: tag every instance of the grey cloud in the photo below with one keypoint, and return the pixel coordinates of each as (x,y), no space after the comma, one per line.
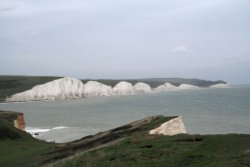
(123,39)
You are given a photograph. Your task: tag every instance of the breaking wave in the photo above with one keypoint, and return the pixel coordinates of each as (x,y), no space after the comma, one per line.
(33,130)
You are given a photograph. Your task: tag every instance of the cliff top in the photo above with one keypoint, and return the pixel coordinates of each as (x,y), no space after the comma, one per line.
(9,116)
(7,129)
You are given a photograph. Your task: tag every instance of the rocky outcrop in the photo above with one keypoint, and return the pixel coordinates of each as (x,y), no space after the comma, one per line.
(58,89)
(16,119)
(94,88)
(19,122)
(169,128)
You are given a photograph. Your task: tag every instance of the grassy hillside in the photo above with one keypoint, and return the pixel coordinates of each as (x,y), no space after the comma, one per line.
(176,151)
(129,145)
(18,148)
(10,85)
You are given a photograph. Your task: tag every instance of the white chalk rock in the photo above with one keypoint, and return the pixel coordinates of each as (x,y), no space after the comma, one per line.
(63,88)
(141,87)
(123,88)
(187,86)
(94,88)
(219,86)
(169,128)
(165,87)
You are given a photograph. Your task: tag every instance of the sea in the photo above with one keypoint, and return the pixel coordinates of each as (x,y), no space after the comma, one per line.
(204,111)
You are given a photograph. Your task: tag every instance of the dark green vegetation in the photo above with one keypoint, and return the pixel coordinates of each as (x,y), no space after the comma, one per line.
(10,85)
(129,145)
(176,151)
(18,148)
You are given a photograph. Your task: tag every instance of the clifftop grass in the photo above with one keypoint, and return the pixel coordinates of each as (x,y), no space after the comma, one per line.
(176,151)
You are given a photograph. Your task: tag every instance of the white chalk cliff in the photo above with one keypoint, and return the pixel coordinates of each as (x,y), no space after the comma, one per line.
(141,87)
(94,88)
(123,88)
(165,87)
(68,88)
(169,128)
(187,86)
(58,89)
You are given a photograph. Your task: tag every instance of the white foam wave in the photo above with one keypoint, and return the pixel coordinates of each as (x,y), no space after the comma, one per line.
(36,130)
(33,130)
(59,127)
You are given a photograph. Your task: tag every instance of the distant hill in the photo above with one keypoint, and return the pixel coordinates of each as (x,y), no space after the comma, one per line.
(10,85)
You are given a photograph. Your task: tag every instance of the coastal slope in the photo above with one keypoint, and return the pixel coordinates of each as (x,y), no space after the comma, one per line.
(128,145)
(18,148)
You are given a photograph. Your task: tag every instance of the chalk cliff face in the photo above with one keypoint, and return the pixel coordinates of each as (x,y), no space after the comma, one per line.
(123,88)
(57,89)
(68,88)
(93,88)
(165,87)
(169,128)
(142,88)
(186,86)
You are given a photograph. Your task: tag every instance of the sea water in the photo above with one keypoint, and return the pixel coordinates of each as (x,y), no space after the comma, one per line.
(204,111)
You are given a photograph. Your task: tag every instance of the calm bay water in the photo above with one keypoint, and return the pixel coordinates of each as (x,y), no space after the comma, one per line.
(205,111)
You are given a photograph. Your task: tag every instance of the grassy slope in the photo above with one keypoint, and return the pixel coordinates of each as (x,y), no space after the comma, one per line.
(10,85)
(17,148)
(180,150)
(129,145)
(141,149)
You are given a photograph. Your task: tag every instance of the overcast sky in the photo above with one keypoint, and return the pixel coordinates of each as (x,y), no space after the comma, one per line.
(208,39)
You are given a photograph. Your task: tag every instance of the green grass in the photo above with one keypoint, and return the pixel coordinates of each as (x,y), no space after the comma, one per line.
(179,150)
(22,152)
(18,148)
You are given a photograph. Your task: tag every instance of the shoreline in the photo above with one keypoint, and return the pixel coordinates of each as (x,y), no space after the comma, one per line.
(176,90)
